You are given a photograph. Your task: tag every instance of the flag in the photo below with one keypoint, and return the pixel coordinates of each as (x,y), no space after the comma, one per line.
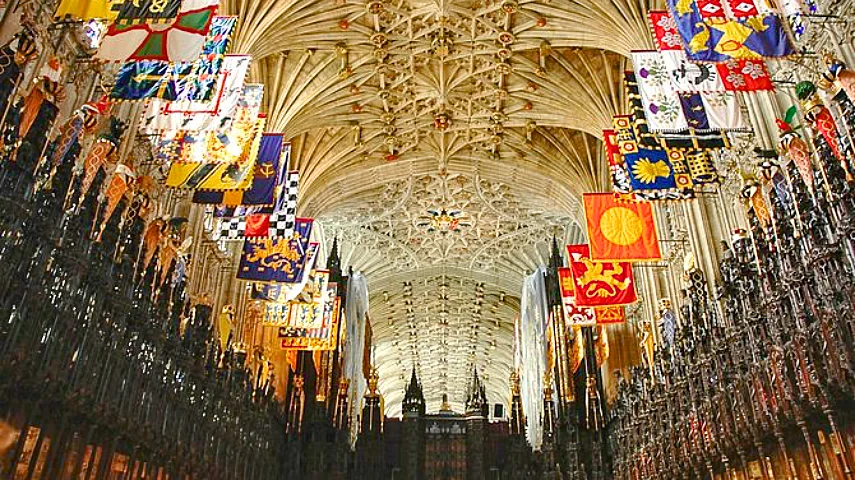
(745,75)
(181,41)
(230,161)
(577,316)
(745,30)
(139,80)
(227,144)
(86,9)
(646,137)
(235,228)
(662,106)
(214,114)
(600,284)
(650,170)
(665,32)
(283,218)
(279,260)
(617,166)
(678,95)
(708,111)
(620,231)
(315,339)
(278,224)
(610,315)
(307,310)
(264,181)
(272,225)
(151,11)
(281,292)
(573,314)
(644,169)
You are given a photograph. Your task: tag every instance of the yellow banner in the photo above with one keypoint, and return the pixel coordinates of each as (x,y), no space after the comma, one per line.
(87,9)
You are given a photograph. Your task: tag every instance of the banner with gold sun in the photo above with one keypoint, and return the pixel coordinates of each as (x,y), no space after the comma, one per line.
(620,230)
(652,174)
(650,170)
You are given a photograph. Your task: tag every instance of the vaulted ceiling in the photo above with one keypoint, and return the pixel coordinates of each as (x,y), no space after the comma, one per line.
(444,143)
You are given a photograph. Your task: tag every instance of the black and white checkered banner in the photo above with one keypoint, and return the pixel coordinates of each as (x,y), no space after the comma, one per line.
(278,224)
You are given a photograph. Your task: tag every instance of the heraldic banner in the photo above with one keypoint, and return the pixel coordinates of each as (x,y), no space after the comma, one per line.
(600,284)
(280,260)
(577,316)
(620,230)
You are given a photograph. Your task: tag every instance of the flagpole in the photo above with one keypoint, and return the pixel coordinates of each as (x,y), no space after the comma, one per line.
(10,7)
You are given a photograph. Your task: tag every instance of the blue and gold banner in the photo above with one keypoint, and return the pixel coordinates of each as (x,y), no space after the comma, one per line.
(280,292)
(277,260)
(268,171)
(712,33)
(650,170)
(651,174)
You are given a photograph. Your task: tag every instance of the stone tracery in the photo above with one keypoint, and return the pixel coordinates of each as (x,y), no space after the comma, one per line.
(407,108)
(501,235)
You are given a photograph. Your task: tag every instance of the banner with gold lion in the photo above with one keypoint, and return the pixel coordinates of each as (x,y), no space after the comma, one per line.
(277,260)
(577,316)
(600,284)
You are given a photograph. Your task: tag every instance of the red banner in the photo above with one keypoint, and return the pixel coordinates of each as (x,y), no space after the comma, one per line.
(745,75)
(575,315)
(664,30)
(600,284)
(620,230)
(609,315)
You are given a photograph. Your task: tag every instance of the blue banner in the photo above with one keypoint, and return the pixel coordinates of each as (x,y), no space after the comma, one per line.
(720,39)
(268,172)
(276,260)
(650,170)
